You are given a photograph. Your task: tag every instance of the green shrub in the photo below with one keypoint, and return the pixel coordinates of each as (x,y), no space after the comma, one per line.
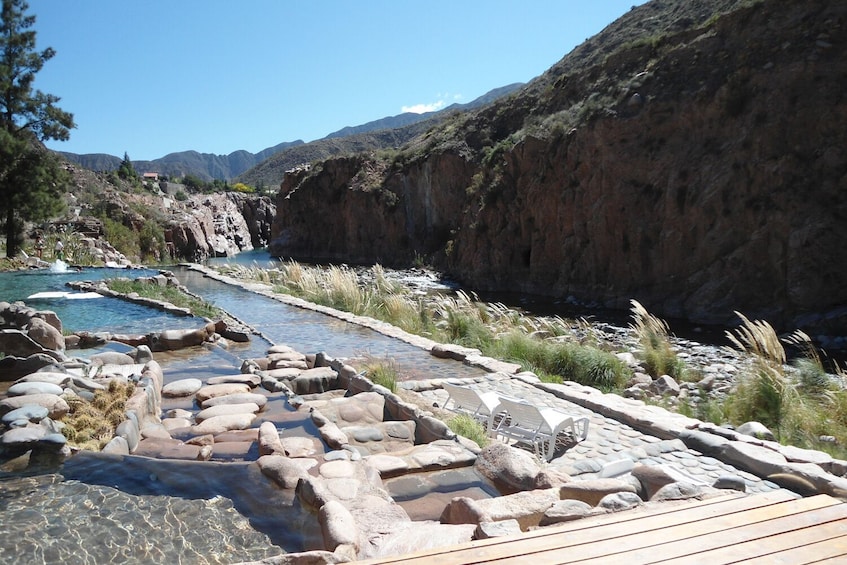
(466,426)
(598,368)
(121,237)
(151,242)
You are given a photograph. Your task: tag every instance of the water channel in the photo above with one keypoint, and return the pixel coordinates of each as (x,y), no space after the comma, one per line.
(99,508)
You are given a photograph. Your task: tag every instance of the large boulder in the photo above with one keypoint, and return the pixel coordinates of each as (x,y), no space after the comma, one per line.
(508,467)
(45,335)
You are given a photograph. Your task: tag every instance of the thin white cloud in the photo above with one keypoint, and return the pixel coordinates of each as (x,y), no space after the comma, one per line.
(422,108)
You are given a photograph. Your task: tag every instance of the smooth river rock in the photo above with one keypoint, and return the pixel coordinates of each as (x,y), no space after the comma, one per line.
(226,410)
(225,389)
(239,398)
(182,387)
(30,413)
(34,387)
(56,406)
(220,424)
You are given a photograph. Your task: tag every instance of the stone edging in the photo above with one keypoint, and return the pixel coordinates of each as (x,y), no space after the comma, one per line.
(802,470)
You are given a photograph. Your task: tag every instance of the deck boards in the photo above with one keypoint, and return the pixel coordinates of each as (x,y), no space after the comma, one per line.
(762,528)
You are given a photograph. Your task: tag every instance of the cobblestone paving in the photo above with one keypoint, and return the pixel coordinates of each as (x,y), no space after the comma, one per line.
(609,440)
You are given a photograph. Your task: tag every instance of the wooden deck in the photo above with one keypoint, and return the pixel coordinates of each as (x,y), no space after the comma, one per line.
(762,528)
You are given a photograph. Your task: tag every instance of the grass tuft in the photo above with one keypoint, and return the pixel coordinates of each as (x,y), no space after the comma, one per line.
(656,352)
(91,425)
(382,372)
(465,426)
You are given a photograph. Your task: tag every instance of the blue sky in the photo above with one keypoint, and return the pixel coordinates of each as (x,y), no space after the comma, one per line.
(152,77)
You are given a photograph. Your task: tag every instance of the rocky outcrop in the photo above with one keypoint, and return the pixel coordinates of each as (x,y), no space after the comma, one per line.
(700,170)
(258,214)
(219,225)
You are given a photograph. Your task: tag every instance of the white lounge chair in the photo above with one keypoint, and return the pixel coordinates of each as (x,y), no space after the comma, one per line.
(465,400)
(540,427)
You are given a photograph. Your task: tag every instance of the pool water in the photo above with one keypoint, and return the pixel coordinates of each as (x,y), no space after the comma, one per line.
(89,314)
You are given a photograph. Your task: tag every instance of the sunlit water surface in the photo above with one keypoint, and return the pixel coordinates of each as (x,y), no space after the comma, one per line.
(88,314)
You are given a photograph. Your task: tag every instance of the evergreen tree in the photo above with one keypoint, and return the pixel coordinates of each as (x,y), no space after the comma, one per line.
(126,170)
(30,176)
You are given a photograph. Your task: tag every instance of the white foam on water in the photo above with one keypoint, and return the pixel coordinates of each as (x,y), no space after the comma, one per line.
(59,266)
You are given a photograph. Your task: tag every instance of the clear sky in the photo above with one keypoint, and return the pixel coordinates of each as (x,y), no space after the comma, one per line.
(152,77)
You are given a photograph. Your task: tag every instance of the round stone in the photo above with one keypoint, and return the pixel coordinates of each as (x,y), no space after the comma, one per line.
(29,412)
(34,387)
(337,469)
(364,435)
(182,387)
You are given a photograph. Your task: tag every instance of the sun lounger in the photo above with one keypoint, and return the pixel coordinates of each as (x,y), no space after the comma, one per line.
(540,427)
(465,400)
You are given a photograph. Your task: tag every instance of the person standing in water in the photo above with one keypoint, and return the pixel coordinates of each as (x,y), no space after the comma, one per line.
(59,250)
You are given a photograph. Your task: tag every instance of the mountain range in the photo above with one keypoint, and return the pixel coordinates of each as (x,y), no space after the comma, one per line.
(390,131)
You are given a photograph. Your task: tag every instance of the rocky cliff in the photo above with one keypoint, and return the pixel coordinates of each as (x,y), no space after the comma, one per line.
(219,225)
(691,156)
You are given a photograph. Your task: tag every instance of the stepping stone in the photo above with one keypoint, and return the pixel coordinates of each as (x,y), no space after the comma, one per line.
(56,406)
(213,391)
(60,379)
(30,413)
(251,380)
(182,387)
(220,424)
(239,398)
(226,410)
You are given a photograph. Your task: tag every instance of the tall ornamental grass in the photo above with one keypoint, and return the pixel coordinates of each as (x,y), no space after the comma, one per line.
(657,354)
(800,403)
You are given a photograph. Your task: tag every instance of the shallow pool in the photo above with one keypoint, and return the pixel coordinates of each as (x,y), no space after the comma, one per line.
(88,314)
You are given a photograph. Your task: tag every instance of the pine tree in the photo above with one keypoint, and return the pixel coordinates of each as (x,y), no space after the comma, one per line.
(126,170)
(30,175)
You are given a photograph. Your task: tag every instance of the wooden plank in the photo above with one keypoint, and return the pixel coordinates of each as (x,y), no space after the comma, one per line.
(828,551)
(681,544)
(640,546)
(596,530)
(579,529)
(824,531)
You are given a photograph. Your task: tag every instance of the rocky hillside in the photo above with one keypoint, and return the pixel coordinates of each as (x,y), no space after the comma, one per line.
(193,227)
(691,156)
(385,134)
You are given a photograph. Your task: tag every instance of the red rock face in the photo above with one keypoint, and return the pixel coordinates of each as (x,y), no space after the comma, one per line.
(721,187)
